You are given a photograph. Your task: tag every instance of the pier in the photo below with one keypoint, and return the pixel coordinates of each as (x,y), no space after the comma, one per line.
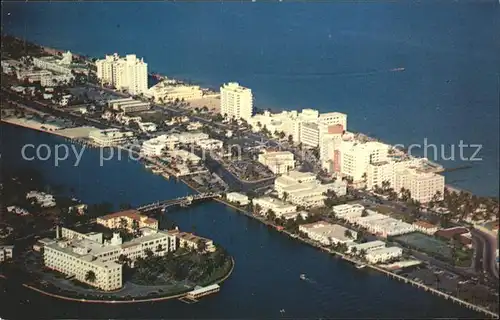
(182,201)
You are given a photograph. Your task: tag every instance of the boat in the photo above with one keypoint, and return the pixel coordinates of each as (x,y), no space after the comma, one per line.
(397,69)
(157,171)
(360,266)
(303,277)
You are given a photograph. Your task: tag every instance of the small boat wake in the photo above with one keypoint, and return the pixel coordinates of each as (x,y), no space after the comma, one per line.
(305,278)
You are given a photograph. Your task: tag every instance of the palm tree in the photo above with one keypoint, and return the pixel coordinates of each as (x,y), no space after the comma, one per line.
(271,215)
(285,196)
(90,276)
(201,246)
(348,234)
(149,253)
(123,223)
(257,208)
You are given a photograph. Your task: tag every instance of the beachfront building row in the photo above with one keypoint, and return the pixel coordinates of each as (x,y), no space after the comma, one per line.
(128,105)
(303,189)
(110,137)
(306,127)
(277,161)
(166,91)
(129,73)
(327,233)
(407,174)
(236,101)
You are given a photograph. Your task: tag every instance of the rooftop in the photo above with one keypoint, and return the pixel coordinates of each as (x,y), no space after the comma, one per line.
(132,214)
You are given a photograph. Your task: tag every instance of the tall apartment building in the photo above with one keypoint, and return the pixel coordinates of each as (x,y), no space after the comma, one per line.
(422,185)
(355,157)
(236,101)
(129,73)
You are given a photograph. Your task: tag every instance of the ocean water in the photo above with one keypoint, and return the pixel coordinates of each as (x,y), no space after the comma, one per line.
(268,264)
(332,56)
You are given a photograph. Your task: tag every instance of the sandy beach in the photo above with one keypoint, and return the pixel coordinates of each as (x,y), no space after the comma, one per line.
(211,102)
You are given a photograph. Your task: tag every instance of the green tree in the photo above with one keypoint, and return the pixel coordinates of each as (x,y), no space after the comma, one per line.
(271,215)
(201,246)
(123,224)
(90,276)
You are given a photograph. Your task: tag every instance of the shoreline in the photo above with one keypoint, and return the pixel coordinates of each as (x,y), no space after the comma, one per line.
(157,299)
(305,241)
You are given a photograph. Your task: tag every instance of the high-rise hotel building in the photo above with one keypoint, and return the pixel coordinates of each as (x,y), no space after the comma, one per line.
(129,73)
(236,101)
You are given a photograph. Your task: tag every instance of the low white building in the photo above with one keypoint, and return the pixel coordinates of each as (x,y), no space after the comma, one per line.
(381,224)
(425,227)
(127,119)
(348,210)
(277,206)
(156,146)
(147,126)
(166,91)
(327,233)
(383,254)
(17,210)
(183,156)
(6,253)
(191,137)
(209,144)
(129,105)
(194,126)
(295,215)
(367,246)
(51,80)
(239,198)
(43,199)
(304,190)
(278,161)
(110,137)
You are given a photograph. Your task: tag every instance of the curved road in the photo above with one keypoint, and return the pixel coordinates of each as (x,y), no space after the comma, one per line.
(489,244)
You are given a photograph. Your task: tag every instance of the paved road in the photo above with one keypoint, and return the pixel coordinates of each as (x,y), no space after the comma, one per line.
(489,244)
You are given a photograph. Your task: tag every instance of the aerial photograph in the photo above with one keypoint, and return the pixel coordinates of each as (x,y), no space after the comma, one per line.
(250,160)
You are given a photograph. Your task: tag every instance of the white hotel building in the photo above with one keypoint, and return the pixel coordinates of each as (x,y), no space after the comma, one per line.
(277,206)
(381,224)
(422,185)
(167,92)
(383,254)
(343,211)
(110,137)
(236,101)
(76,254)
(277,161)
(303,189)
(129,73)
(356,156)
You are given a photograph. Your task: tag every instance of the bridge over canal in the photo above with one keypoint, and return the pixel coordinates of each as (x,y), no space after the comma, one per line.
(182,201)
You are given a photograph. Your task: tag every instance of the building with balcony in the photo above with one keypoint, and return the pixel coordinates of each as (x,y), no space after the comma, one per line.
(236,101)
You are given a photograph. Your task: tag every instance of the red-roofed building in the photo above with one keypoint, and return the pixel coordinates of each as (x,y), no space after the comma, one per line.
(114,220)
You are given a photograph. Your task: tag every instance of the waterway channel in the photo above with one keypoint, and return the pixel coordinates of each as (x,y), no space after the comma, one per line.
(268,264)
